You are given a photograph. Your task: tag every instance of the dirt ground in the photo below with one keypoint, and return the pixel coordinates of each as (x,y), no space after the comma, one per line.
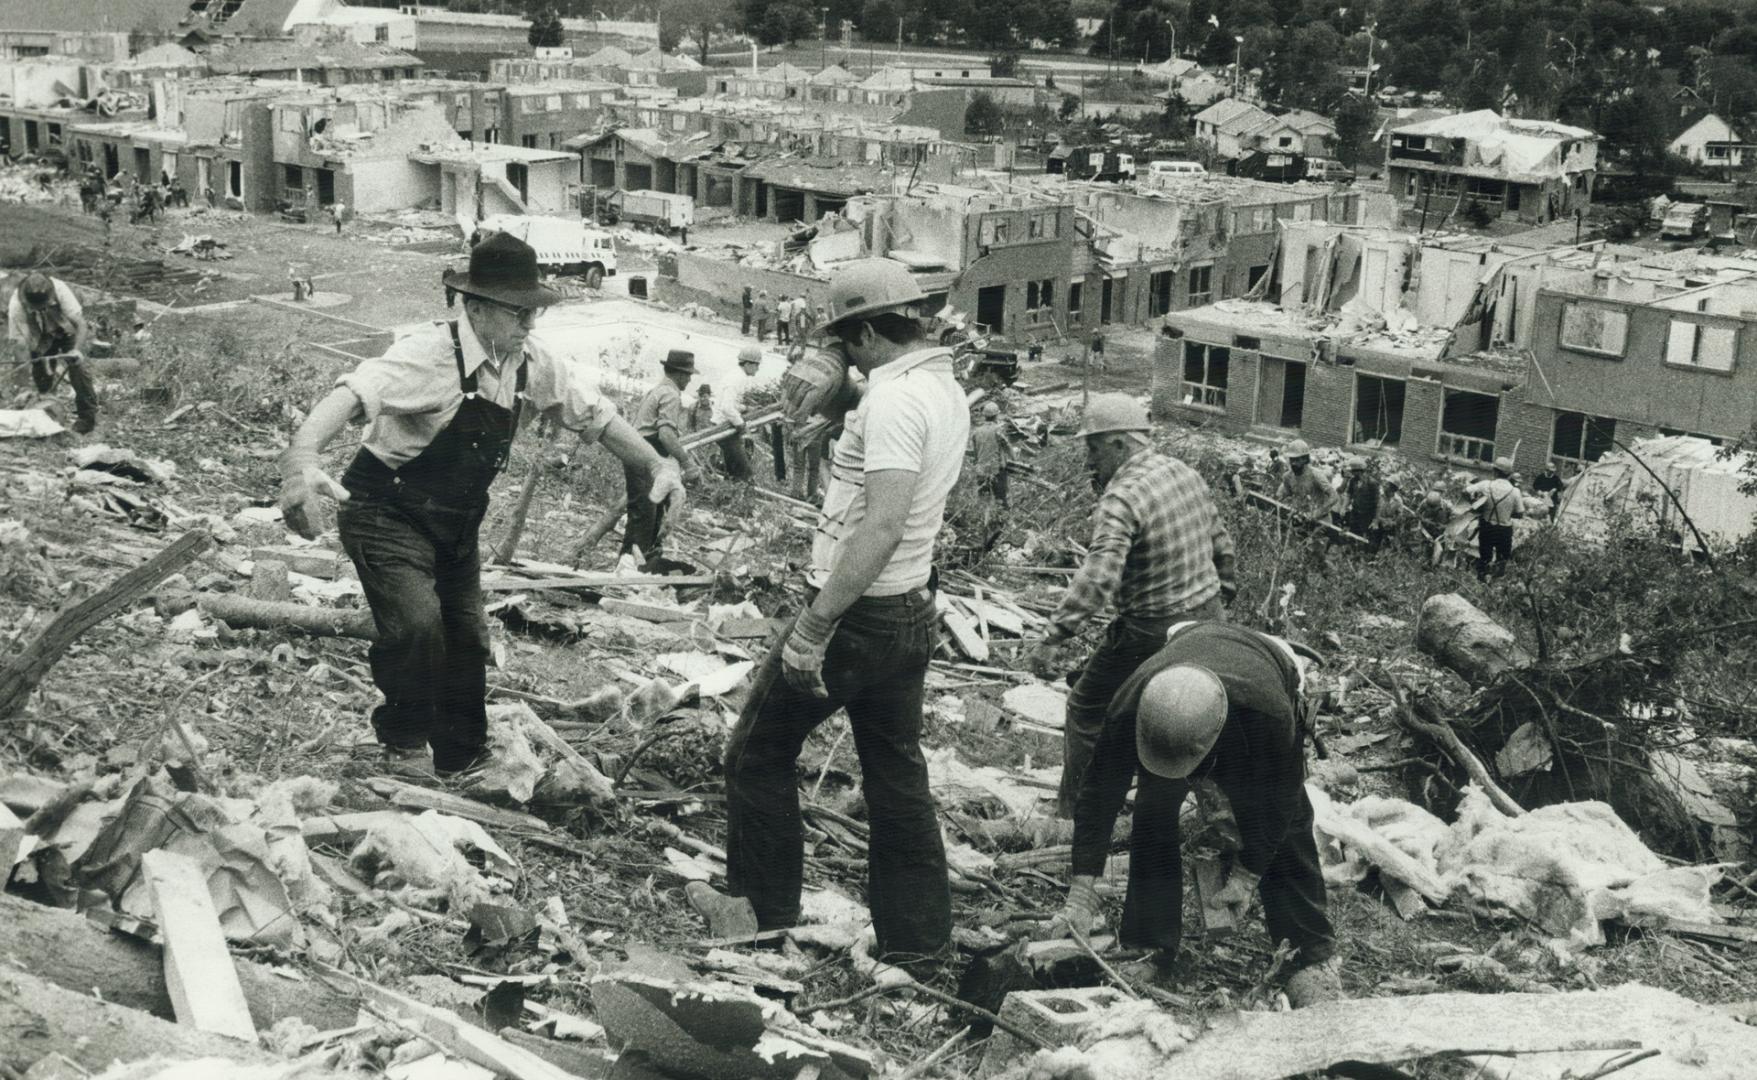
(225,377)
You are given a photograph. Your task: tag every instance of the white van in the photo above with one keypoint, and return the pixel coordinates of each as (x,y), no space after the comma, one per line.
(1176,168)
(563,245)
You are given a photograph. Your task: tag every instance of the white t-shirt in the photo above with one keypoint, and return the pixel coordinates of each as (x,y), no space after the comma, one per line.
(1500,499)
(913,418)
(20,326)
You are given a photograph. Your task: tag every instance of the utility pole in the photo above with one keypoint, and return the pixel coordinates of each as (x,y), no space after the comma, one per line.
(1238,62)
(899,39)
(823,37)
(1370,28)
(1172,26)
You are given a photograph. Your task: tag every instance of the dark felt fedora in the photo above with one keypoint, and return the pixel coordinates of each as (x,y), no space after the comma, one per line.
(503,268)
(680,360)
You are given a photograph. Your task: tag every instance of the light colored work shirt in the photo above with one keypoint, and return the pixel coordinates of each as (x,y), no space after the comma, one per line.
(1309,492)
(34,327)
(731,406)
(992,449)
(1501,501)
(661,407)
(408,395)
(912,419)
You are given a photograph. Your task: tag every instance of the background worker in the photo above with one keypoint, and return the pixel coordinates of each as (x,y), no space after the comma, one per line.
(1215,702)
(1158,549)
(1306,487)
(1359,498)
(46,325)
(733,454)
(993,453)
(1497,503)
(442,406)
(659,420)
(765,314)
(866,633)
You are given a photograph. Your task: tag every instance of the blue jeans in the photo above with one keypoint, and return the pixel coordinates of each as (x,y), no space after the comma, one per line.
(431,658)
(1127,645)
(875,667)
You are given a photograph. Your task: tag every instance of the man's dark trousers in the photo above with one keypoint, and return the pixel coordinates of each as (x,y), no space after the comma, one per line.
(1292,887)
(1127,644)
(430,659)
(1494,547)
(85,392)
(875,667)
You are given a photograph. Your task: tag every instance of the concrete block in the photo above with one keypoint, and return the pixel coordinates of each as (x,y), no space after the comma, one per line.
(1056,1016)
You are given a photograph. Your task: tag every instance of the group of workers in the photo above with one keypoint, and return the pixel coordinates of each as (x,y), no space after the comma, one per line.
(1174,693)
(1359,506)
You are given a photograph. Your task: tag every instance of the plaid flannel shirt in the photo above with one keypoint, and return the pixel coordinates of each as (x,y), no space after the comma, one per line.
(1156,535)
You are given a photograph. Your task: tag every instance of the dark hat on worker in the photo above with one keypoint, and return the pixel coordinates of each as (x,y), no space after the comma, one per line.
(680,360)
(503,268)
(37,289)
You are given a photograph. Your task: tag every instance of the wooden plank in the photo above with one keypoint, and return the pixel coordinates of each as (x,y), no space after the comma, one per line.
(963,631)
(513,583)
(456,805)
(656,613)
(30,663)
(204,986)
(319,621)
(455,1036)
(1217,920)
(312,562)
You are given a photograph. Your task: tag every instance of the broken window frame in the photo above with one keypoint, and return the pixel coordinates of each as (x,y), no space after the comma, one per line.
(1585,449)
(1389,433)
(1195,297)
(1701,330)
(1076,299)
(1160,285)
(1464,446)
(1577,308)
(1208,390)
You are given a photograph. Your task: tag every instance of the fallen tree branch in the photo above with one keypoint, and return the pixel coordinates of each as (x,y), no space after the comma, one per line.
(241,612)
(1447,739)
(522,509)
(22,674)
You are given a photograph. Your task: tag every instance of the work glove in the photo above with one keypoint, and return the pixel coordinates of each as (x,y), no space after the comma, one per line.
(802,656)
(1235,896)
(1079,911)
(1044,660)
(302,482)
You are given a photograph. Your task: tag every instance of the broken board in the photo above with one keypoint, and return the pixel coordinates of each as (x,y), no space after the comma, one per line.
(203,985)
(318,562)
(963,630)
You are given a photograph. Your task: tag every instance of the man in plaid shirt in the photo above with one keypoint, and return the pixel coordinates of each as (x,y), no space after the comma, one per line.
(1159,550)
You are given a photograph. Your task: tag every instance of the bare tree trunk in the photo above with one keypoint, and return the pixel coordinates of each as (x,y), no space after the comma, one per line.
(1461,636)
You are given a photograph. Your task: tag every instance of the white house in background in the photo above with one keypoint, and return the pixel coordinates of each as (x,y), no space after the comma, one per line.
(366,25)
(1196,85)
(1705,139)
(1225,122)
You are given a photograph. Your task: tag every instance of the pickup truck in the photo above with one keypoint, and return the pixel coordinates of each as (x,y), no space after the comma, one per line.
(564,246)
(1684,221)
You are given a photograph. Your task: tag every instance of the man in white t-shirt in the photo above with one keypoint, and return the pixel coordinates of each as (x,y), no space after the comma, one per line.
(864,639)
(46,326)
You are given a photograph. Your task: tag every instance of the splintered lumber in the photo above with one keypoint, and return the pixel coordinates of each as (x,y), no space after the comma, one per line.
(607,521)
(654,613)
(311,561)
(241,612)
(75,953)
(784,500)
(963,630)
(1461,636)
(516,530)
(458,1037)
(204,988)
(28,666)
(421,798)
(513,583)
(41,1018)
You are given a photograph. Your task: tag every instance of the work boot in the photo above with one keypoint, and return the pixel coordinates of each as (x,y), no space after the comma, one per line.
(727,916)
(84,424)
(1316,983)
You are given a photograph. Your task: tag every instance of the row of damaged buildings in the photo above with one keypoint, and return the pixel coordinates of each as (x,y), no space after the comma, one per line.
(1456,349)
(1044,258)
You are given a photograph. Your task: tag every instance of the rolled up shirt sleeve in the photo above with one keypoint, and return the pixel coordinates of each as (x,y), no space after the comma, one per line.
(405,381)
(560,389)
(1113,531)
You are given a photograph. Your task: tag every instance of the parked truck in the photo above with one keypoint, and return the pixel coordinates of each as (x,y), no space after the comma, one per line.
(1684,221)
(564,246)
(661,210)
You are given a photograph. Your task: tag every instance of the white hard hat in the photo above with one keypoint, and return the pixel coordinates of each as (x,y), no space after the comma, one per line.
(1114,412)
(1180,715)
(870,286)
(1298,448)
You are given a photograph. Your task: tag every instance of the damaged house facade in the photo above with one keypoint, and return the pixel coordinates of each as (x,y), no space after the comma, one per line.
(1532,171)
(1457,350)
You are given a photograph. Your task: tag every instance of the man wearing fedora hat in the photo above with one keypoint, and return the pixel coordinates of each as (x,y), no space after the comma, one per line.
(441,408)
(659,419)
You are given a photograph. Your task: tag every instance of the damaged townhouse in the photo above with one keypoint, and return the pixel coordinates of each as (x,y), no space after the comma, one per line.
(1456,350)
